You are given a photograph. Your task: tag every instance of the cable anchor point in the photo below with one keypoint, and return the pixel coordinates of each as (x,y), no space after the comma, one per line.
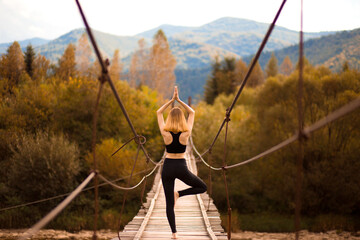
(227,115)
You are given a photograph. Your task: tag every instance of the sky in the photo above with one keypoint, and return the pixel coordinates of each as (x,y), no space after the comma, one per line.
(49,19)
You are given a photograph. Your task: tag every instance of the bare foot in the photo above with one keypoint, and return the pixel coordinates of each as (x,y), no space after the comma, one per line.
(176,196)
(174,236)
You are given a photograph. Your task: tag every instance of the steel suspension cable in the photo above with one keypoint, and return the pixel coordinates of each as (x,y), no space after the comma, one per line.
(225,179)
(126,192)
(51,215)
(300,156)
(67,194)
(253,63)
(93,146)
(344,110)
(335,115)
(108,79)
(133,187)
(200,156)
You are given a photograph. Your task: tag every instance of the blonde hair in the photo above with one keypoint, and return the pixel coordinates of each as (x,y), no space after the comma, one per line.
(176,121)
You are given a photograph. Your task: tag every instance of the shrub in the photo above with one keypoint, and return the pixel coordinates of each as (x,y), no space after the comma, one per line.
(43,165)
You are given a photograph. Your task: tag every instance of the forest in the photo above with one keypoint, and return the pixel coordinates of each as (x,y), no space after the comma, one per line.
(46,113)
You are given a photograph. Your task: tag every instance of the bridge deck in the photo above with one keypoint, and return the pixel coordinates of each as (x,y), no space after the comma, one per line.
(195,218)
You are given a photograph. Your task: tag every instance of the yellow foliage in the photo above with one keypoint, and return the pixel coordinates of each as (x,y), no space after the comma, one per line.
(119,165)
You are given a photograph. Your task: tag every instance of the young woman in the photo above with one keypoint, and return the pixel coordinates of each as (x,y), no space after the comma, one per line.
(176,132)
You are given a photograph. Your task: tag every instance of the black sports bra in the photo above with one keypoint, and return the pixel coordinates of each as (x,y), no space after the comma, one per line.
(175,146)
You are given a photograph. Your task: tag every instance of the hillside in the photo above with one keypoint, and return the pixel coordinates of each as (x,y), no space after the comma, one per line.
(239,37)
(108,43)
(33,41)
(196,47)
(331,51)
(242,36)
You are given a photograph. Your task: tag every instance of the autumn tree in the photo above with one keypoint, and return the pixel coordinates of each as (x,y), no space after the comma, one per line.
(41,67)
(29,60)
(345,66)
(286,66)
(115,66)
(161,65)
(95,70)
(256,77)
(67,64)
(139,66)
(272,66)
(83,55)
(12,65)
(240,71)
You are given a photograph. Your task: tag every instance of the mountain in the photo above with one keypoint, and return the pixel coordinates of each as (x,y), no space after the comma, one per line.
(193,47)
(169,31)
(242,36)
(107,43)
(196,47)
(331,51)
(23,44)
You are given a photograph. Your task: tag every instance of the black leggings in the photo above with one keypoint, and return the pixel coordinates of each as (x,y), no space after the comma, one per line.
(177,168)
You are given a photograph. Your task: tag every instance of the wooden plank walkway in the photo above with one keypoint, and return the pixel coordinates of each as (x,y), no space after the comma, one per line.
(193,218)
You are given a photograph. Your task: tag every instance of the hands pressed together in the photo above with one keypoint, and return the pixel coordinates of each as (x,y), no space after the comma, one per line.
(175,95)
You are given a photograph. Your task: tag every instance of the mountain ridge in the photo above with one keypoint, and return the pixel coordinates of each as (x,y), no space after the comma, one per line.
(195,48)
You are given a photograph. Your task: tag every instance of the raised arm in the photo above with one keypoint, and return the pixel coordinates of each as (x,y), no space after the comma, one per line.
(160,116)
(189,110)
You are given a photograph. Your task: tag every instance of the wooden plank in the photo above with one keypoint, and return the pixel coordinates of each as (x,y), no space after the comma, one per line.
(197,217)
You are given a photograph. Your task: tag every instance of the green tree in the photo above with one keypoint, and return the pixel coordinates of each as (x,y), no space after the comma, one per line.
(43,166)
(223,79)
(67,64)
(345,66)
(29,60)
(272,66)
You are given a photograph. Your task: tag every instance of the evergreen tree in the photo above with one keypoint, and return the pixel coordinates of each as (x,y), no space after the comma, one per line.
(222,80)
(29,60)
(211,88)
(67,64)
(286,67)
(272,66)
(345,66)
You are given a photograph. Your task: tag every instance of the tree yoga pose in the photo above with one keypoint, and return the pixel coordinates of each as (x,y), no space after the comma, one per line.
(176,132)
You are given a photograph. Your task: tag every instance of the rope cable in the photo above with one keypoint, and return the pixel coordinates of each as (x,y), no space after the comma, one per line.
(253,62)
(67,194)
(344,110)
(51,215)
(108,79)
(129,188)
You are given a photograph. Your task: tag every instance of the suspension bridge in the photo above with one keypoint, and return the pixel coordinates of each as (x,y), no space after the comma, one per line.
(196,216)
